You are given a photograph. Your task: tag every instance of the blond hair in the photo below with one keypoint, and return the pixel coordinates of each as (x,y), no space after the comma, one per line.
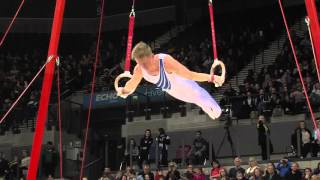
(141,50)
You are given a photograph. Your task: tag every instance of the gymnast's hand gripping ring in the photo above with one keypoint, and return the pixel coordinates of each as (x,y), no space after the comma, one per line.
(218,80)
(119,90)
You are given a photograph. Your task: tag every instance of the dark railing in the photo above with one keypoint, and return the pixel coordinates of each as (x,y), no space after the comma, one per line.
(92,163)
(298,143)
(93,169)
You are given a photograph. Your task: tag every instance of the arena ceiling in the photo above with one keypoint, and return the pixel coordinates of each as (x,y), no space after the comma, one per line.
(76,8)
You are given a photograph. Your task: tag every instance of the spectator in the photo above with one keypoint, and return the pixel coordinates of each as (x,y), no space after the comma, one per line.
(249,78)
(129,175)
(271,173)
(284,167)
(198,174)
(316,171)
(250,105)
(264,137)
(134,152)
(264,104)
(106,175)
(25,161)
(305,139)
(145,145)
(50,177)
(173,173)
(237,167)
(228,93)
(294,173)
(316,143)
(307,174)
(298,99)
(223,174)
(163,141)
(159,175)
(253,164)
(146,171)
(147,177)
(4,166)
(275,102)
(315,95)
(257,174)
(49,159)
(189,172)
(285,100)
(119,175)
(14,167)
(315,177)
(199,150)
(215,171)
(183,153)
(240,176)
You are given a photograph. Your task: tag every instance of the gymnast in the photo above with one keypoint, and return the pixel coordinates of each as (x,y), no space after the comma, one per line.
(172,77)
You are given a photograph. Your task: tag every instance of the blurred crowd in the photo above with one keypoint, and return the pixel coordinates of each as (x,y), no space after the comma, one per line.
(153,151)
(277,89)
(18,69)
(237,41)
(273,91)
(282,170)
(17,167)
(304,143)
(20,61)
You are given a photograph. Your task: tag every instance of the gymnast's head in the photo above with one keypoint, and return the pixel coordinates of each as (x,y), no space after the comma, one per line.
(142,53)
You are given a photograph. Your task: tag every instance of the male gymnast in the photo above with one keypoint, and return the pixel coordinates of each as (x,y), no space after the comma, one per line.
(172,77)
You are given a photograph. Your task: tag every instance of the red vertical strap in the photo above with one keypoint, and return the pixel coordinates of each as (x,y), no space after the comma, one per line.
(298,67)
(46,90)
(129,43)
(213,32)
(11,23)
(92,91)
(314,28)
(60,123)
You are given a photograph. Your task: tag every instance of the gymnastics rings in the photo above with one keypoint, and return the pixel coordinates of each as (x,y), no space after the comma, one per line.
(126,74)
(218,80)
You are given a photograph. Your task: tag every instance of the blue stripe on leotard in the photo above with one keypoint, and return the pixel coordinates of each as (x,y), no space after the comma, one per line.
(163,81)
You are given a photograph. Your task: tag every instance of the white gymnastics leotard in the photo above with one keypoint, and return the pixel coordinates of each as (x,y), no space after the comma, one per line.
(183,89)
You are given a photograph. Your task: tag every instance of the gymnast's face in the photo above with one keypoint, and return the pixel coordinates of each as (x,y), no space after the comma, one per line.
(145,62)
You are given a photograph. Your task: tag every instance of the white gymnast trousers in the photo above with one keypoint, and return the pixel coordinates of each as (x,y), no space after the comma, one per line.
(183,89)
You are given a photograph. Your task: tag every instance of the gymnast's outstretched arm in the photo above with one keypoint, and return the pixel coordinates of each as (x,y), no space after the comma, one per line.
(173,66)
(133,83)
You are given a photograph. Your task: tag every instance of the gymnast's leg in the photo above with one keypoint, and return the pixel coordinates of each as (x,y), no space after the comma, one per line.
(208,104)
(191,92)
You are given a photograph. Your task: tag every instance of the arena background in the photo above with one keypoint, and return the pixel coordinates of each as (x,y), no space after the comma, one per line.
(177,27)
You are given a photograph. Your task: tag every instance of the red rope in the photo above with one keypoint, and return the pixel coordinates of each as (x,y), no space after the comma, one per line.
(11,23)
(129,42)
(92,90)
(133,3)
(25,90)
(59,120)
(298,66)
(213,33)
